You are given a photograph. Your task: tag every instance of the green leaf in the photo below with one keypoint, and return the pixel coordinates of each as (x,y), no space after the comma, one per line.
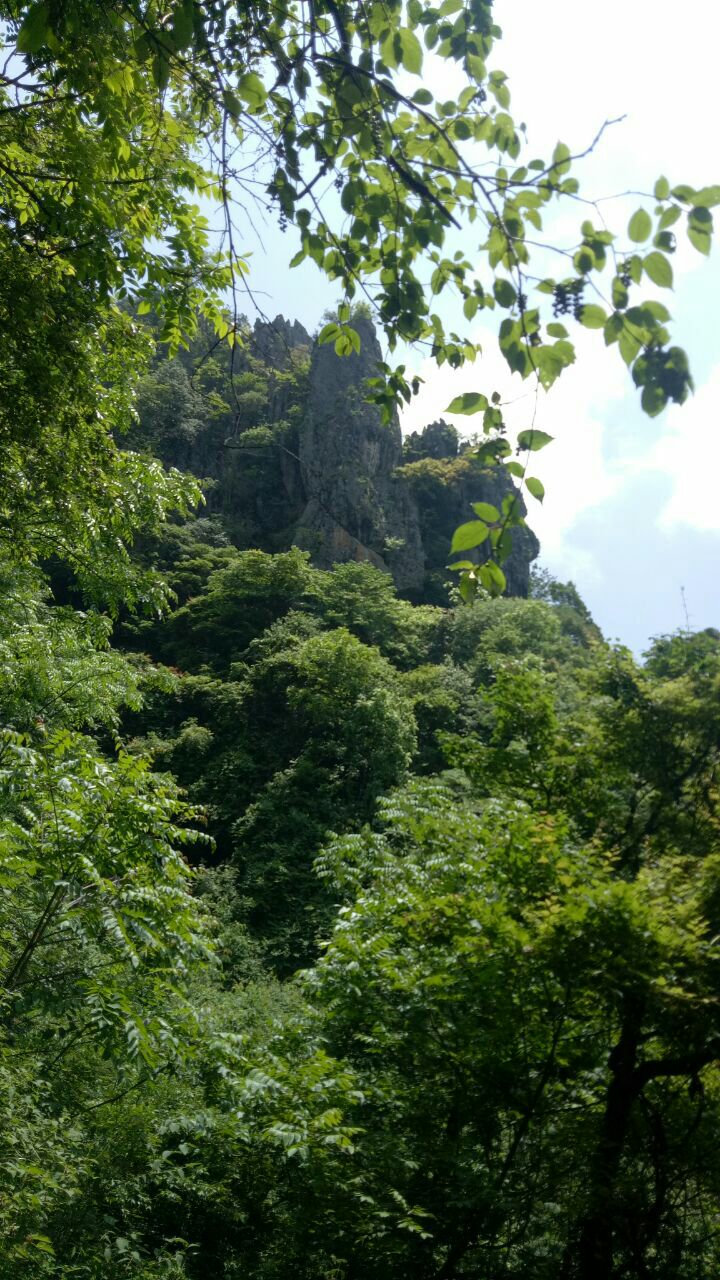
(183,24)
(34,31)
(411,54)
(492,578)
(662,189)
(629,345)
(640,226)
(467,587)
(329,333)
(390,50)
(593,317)
(700,227)
(700,240)
(469,535)
(232,103)
(584,260)
(505,292)
(659,269)
(657,310)
(535,487)
(619,293)
(707,197)
(669,217)
(161,69)
(469,402)
(252,90)
(42,1243)
(533,439)
(561,158)
(684,193)
(347,342)
(653,399)
(486,511)
(613,328)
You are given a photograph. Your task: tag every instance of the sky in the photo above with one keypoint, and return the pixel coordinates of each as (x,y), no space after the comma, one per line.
(632,512)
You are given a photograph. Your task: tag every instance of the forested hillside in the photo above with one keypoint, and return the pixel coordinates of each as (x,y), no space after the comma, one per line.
(486,836)
(359,914)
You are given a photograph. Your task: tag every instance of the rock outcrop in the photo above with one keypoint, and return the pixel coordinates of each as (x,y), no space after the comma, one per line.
(296,454)
(363,503)
(357,506)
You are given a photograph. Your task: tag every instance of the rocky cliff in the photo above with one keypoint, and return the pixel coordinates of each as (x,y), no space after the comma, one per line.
(357,505)
(296,454)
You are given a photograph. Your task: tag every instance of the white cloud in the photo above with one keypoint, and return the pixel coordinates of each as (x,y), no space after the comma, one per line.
(689,454)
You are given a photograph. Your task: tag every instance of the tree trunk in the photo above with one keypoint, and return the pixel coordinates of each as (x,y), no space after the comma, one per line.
(591,1256)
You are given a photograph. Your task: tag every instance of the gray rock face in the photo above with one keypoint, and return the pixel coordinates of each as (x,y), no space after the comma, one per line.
(274,340)
(357,508)
(363,504)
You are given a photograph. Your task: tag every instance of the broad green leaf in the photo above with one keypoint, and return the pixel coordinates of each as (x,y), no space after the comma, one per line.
(329,333)
(533,439)
(252,90)
(486,511)
(492,578)
(613,328)
(584,260)
(161,69)
(467,587)
(629,345)
(700,240)
(347,342)
(561,157)
(669,217)
(593,317)
(515,469)
(659,269)
(700,227)
(183,23)
(684,193)
(620,293)
(662,189)
(535,487)
(232,103)
(640,226)
(505,292)
(469,402)
(653,399)
(390,49)
(469,535)
(707,197)
(657,310)
(411,54)
(34,31)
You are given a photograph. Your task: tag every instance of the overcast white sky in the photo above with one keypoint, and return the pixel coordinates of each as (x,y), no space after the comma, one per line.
(632,511)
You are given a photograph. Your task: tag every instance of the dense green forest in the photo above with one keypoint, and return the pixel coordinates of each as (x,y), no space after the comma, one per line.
(359,904)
